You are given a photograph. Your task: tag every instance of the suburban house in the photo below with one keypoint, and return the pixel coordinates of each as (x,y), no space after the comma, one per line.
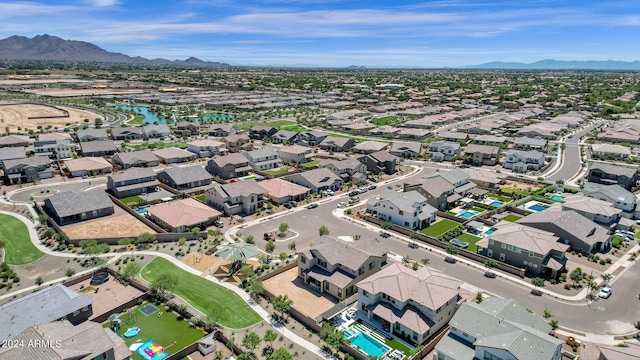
(142,158)
(537,251)
(12,153)
(460,180)
(55,149)
(98,148)
(126,133)
(346,168)
(368,147)
(336,144)
(333,266)
(620,197)
(498,328)
(527,143)
(281,191)
(260,132)
(234,198)
(71,206)
(407,209)
(481,154)
(311,138)
(317,180)
(186,129)
(88,340)
(91,134)
(172,155)
(380,162)
(572,228)
(609,174)
(444,150)
(134,181)
(88,166)
(413,134)
(26,170)
(499,141)
(485,179)
(61,303)
(14,141)
(183,215)
(221,130)
(631,351)
(187,177)
(237,142)
(597,210)
(412,305)
(455,136)
(206,147)
(54,136)
(263,159)
(284,137)
(523,160)
(156,131)
(295,154)
(406,149)
(610,151)
(229,166)
(438,191)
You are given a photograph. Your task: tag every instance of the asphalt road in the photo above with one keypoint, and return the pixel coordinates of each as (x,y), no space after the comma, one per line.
(571,159)
(24,195)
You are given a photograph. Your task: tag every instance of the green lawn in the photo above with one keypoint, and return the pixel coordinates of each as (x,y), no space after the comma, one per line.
(164,330)
(282,170)
(499,197)
(157,145)
(278,124)
(387,120)
(132,200)
(310,164)
(477,209)
(201,198)
(357,139)
(213,300)
(137,119)
(472,240)
(438,228)
(512,218)
(18,249)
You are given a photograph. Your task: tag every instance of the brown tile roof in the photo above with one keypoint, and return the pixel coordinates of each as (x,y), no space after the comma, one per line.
(279,188)
(352,255)
(183,212)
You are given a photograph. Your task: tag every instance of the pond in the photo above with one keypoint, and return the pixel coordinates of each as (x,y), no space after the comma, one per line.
(153,117)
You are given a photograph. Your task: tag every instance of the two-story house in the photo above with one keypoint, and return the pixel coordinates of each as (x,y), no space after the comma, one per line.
(608,174)
(284,137)
(523,160)
(14,141)
(311,138)
(346,168)
(133,181)
(260,132)
(186,129)
(237,142)
(381,162)
(597,210)
(336,144)
(206,147)
(407,209)
(527,143)
(410,304)
(263,159)
(481,154)
(234,198)
(187,177)
(55,149)
(295,154)
(333,266)
(620,197)
(221,130)
(444,150)
(12,153)
(460,180)
(537,251)
(498,329)
(26,170)
(229,166)
(317,180)
(438,191)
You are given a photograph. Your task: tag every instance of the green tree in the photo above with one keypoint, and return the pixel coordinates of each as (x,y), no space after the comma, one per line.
(606,277)
(39,281)
(479,297)
(292,246)
(283,256)
(280,354)
(251,341)
(283,228)
(269,337)
(125,241)
(490,264)
(281,304)
(270,246)
(547,313)
(386,225)
(182,241)
(323,230)
(256,289)
(406,260)
(246,270)
(537,282)
(452,251)
(250,239)
(131,270)
(164,282)
(425,261)
(145,238)
(69,272)
(576,275)
(334,338)
(554,325)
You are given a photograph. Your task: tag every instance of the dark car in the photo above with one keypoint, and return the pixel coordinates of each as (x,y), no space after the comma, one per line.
(354,193)
(372,187)
(384,234)
(269,236)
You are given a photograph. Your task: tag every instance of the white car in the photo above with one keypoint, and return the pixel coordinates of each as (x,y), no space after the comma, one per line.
(605,292)
(342,204)
(329,192)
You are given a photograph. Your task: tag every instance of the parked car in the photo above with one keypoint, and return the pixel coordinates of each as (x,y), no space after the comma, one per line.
(269,236)
(353,200)
(342,204)
(329,192)
(290,204)
(464,166)
(384,234)
(312,206)
(605,292)
(362,190)
(372,187)
(218,223)
(354,193)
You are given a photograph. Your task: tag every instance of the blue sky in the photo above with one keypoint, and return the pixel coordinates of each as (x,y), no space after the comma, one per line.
(340,33)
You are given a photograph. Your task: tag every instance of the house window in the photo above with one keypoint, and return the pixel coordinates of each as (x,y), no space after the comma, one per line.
(400,212)
(490,241)
(490,356)
(326,285)
(322,263)
(531,254)
(361,271)
(303,259)
(371,265)
(504,246)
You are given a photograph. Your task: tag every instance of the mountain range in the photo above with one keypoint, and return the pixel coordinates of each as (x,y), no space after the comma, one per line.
(549,64)
(52,48)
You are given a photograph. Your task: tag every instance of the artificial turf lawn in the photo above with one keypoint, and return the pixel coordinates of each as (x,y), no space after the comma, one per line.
(220,304)
(440,227)
(282,170)
(387,120)
(18,249)
(471,240)
(163,329)
(512,218)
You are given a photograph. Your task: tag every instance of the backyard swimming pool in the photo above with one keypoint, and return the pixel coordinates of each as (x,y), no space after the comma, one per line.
(467,214)
(366,343)
(497,203)
(141,211)
(490,231)
(556,197)
(538,207)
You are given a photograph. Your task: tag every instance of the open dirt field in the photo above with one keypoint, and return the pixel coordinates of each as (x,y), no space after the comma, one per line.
(120,224)
(305,299)
(200,261)
(522,186)
(82,92)
(18,116)
(40,81)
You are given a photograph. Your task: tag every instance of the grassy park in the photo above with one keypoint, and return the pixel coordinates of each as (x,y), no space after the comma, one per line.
(383,121)
(220,304)
(18,249)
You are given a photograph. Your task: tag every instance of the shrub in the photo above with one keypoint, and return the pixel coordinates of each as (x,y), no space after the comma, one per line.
(567,286)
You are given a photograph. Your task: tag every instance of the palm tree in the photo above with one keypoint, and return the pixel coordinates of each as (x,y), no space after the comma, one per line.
(606,277)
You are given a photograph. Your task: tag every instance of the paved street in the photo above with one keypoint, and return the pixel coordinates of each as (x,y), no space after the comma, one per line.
(571,159)
(24,195)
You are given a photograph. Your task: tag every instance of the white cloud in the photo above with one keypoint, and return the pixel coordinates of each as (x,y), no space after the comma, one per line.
(103,3)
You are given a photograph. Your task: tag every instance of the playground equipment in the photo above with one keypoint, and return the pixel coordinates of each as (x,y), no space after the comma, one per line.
(116,323)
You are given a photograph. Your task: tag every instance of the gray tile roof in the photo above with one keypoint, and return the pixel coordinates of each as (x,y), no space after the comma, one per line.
(371,146)
(352,255)
(136,156)
(568,225)
(31,161)
(123,131)
(187,174)
(407,201)
(455,347)
(318,177)
(523,140)
(406,146)
(233,158)
(13,139)
(96,133)
(613,192)
(46,305)
(132,174)
(383,156)
(12,152)
(483,149)
(160,129)
(173,153)
(256,154)
(631,352)
(615,170)
(70,202)
(242,188)
(96,146)
(332,140)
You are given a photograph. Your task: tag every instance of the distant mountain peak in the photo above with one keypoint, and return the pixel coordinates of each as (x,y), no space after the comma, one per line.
(47,47)
(551,64)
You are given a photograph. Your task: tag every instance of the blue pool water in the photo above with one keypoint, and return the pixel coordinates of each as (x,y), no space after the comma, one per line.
(141,211)
(366,343)
(497,203)
(467,214)
(490,231)
(538,207)
(152,117)
(556,197)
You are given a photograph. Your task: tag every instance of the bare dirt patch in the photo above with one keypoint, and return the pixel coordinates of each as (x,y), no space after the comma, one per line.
(200,261)
(522,186)
(306,300)
(82,92)
(120,224)
(21,116)
(110,295)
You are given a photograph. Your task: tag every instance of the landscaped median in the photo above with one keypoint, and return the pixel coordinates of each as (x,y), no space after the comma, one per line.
(18,248)
(220,304)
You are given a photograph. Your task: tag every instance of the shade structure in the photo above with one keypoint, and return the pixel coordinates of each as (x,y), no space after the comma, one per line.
(114,316)
(237,251)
